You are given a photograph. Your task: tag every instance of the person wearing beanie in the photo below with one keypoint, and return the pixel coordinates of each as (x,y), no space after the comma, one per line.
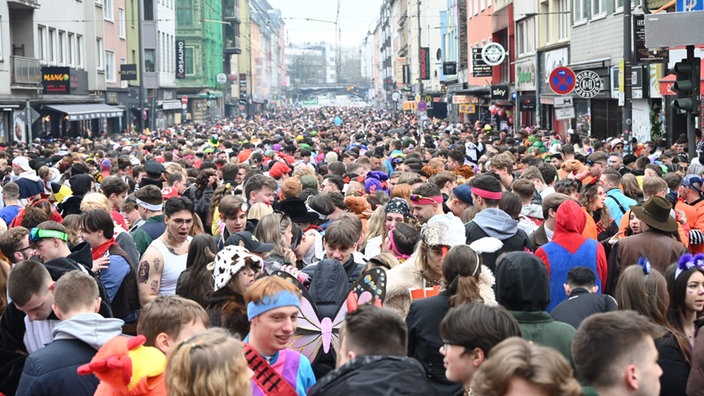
(272,309)
(522,287)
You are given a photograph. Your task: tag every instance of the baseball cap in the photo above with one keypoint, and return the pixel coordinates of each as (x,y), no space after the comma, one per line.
(249,242)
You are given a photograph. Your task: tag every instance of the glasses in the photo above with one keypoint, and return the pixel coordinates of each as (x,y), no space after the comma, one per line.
(592,162)
(447,343)
(24,248)
(180,222)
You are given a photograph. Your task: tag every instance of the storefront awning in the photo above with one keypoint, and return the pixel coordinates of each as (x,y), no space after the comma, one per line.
(80,112)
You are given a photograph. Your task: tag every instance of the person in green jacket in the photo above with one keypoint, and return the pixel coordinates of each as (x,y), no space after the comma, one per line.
(523,288)
(149,204)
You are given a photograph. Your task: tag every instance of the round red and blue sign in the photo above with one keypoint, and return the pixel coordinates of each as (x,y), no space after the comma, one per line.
(562,80)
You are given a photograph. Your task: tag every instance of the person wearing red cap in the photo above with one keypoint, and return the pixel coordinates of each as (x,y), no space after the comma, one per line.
(280,171)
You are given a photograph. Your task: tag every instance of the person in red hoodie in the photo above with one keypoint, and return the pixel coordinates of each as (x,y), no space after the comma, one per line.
(569,248)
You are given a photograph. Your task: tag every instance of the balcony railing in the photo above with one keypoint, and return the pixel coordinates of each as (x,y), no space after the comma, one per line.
(27,3)
(26,70)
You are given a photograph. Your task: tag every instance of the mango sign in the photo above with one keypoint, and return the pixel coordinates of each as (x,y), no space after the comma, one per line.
(56,80)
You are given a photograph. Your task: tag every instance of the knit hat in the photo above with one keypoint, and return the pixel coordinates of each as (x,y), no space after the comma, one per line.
(309,181)
(229,261)
(105,164)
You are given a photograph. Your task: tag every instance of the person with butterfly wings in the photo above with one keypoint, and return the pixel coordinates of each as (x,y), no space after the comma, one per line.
(325,305)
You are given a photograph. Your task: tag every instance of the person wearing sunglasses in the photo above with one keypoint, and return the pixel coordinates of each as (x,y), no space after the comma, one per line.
(165,258)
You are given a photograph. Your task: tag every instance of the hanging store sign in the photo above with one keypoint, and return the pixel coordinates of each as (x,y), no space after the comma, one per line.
(56,80)
(180,59)
(425,63)
(479,67)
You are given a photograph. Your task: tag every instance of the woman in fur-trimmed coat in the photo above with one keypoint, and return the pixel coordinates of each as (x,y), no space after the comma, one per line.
(467,281)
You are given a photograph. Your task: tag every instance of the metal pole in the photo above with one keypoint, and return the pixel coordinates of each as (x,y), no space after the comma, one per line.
(538,79)
(28,118)
(141,68)
(691,138)
(420,78)
(627,76)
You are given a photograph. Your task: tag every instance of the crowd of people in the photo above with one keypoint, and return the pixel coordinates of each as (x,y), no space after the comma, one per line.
(350,251)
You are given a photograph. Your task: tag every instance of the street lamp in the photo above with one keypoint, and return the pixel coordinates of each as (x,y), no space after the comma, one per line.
(337,40)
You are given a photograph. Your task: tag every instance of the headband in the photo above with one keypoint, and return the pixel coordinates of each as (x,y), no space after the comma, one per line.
(147,205)
(688,261)
(487,194)
(283,298)
(394,248)
(421,200)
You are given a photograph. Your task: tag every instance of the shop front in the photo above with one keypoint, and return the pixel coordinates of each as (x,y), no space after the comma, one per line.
(74,120)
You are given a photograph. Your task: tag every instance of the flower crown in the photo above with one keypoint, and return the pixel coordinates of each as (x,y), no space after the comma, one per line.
(687,262)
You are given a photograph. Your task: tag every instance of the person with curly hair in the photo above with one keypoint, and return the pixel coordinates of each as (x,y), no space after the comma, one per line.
(518,367)
(210,364)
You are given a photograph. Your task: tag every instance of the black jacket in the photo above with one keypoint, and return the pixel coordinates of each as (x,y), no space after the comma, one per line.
(57,363)
(328,291)
(580,305)
(375,375)
(504,228)
(353,270)
(675,370)
(424,340)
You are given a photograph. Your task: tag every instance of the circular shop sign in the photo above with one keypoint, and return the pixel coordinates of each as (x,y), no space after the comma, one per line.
(395,96)
(588,84)
(493,54)
(221,78)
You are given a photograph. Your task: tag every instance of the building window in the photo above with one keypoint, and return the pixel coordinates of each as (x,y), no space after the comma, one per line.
(1,42)
(598,8)
(563,19)
(79,50)
(190,66)
(108,11)
(149,60)
(184,12)
(51,45)
(110,67)
(521,37)
(121,22)
(41,43)
(148,10)
(69,49)
(62,45)
(99,64)
(581,11)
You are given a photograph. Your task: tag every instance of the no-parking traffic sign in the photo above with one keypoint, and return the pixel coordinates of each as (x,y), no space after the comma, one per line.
(562,80)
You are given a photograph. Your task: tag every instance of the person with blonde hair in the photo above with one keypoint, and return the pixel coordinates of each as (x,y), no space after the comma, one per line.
(276,228)
(518,367)
(208,364)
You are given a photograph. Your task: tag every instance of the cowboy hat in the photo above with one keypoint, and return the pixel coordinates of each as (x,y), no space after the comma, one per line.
(655,212)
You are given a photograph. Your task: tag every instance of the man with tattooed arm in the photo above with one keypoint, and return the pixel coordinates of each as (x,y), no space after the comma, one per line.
(165,258)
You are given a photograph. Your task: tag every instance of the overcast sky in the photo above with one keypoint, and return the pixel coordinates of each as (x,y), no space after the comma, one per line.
(356,18)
